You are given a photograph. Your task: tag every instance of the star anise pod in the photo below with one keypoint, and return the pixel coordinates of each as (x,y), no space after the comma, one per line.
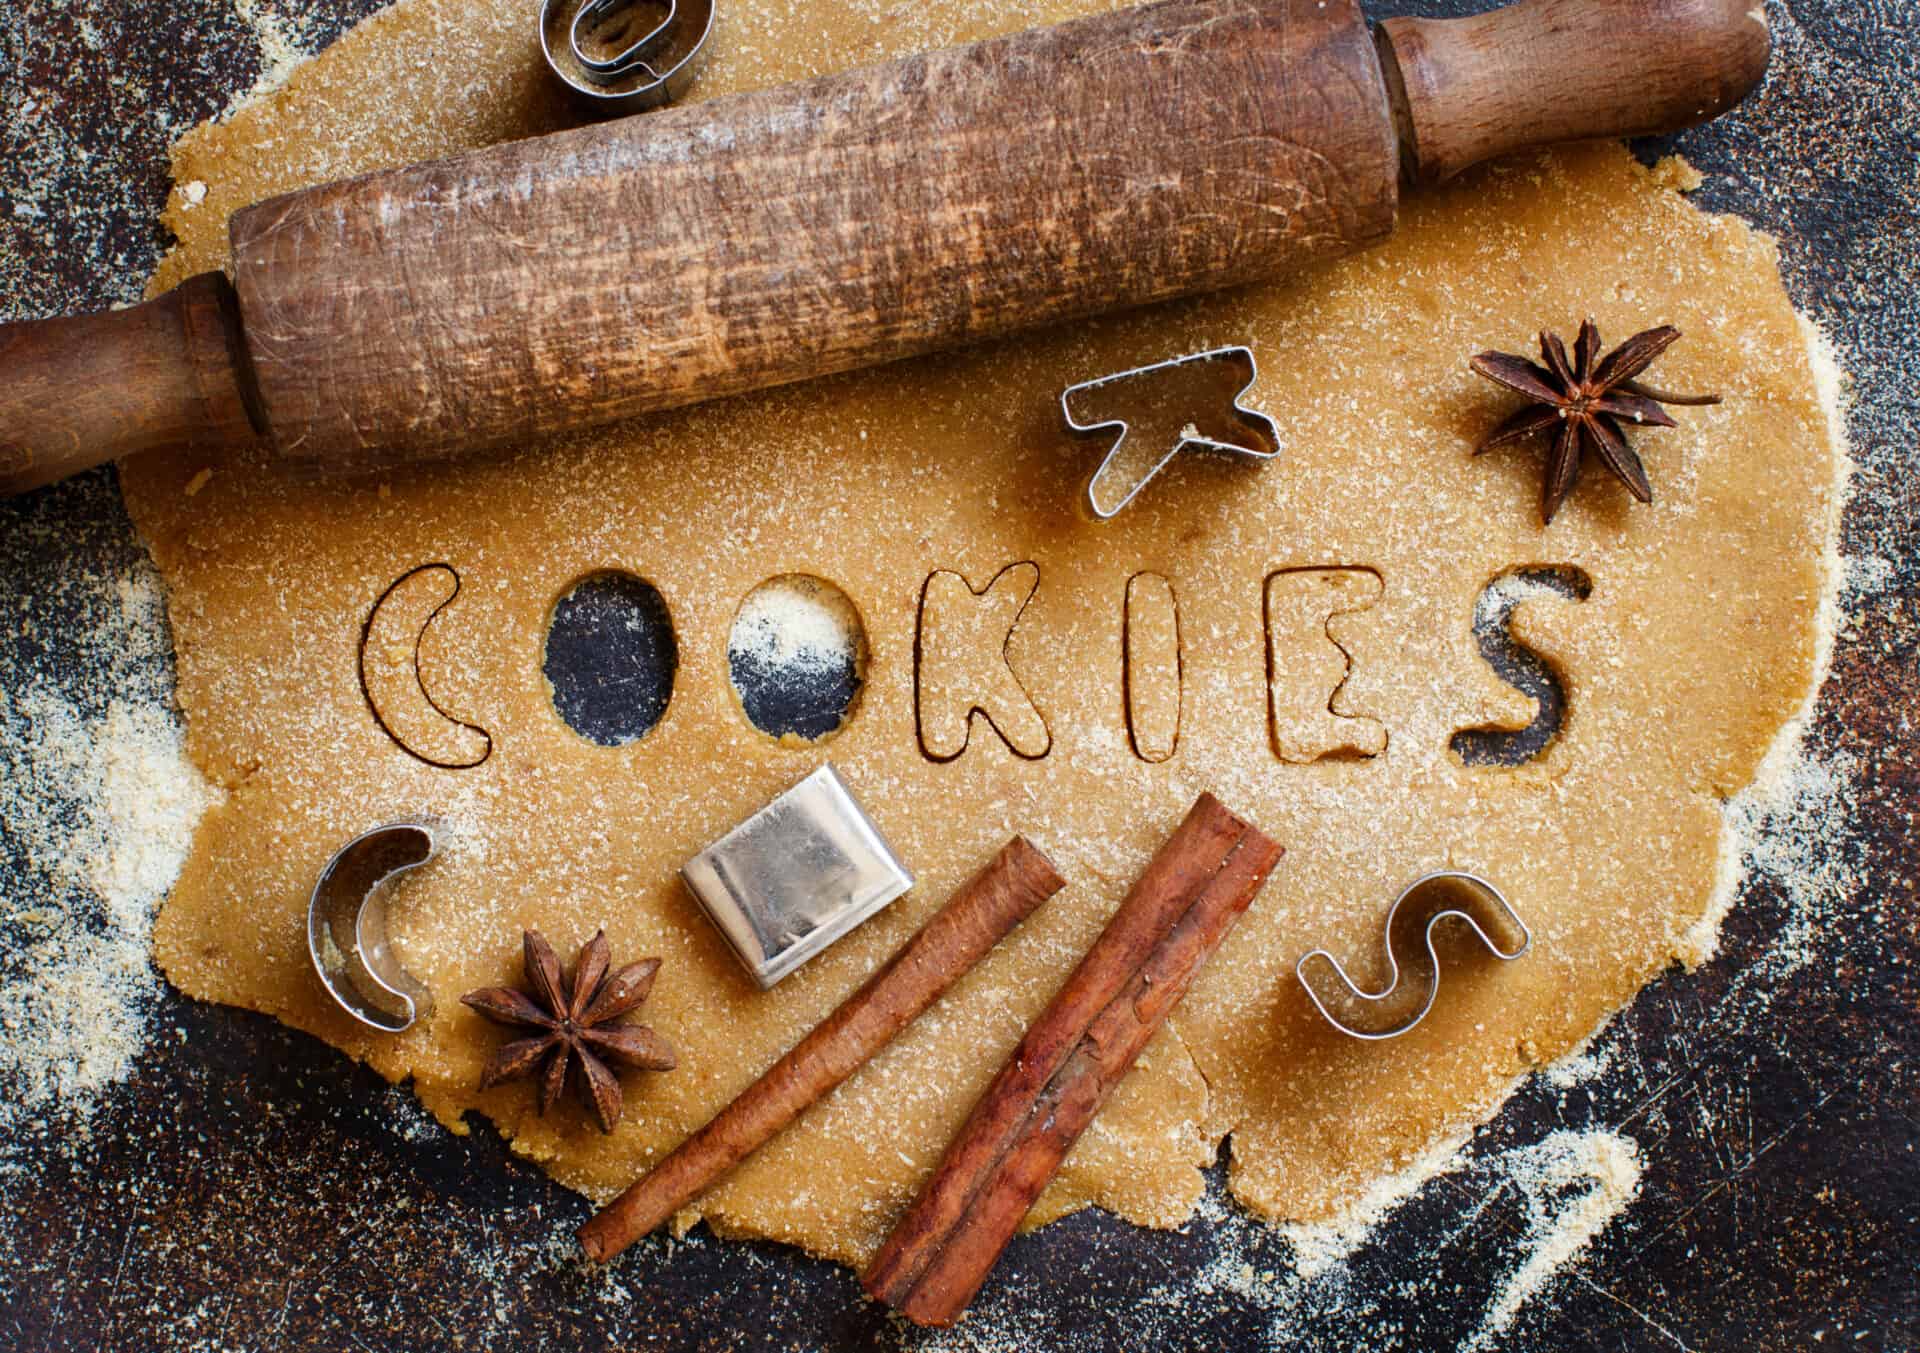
(574,1025)
(1581,405)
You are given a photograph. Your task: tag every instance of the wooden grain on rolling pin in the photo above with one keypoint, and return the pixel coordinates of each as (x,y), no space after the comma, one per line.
(744,242)
(757,239)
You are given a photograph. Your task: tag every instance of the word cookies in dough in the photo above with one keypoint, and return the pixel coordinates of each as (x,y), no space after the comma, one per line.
(1299,631)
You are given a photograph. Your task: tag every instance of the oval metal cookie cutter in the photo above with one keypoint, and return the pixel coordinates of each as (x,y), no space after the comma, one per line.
(624,56)
(347,927)
(1426,902)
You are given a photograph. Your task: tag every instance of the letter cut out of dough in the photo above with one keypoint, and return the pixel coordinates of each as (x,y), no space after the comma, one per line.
(962,666)
(390,673)
(1307,669)
(1152,666)
(1519,666)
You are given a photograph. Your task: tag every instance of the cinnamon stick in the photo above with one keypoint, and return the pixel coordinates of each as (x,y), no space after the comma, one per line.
(976,918)
(1069,1061)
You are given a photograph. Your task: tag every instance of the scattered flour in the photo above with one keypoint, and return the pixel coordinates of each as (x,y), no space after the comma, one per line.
(1319,1246)
(1574,1183)
(1571,1184)
(794,623)
(281,50)
(402,1112)
(1789,828)
(1580,1065)
(97,807)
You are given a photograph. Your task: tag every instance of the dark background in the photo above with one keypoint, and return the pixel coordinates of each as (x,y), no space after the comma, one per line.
(248,1188)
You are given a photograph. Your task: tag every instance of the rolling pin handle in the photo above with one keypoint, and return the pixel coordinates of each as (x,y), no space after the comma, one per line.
(83,390)
(1546,71)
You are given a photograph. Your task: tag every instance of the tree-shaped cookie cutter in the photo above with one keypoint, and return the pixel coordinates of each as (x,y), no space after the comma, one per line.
(347,926)
(1255,435)
(1426,903)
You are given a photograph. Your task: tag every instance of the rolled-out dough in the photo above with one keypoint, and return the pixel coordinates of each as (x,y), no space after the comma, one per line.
(1695,646)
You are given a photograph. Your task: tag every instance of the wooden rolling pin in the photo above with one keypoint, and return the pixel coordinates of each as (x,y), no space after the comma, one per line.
(762,238)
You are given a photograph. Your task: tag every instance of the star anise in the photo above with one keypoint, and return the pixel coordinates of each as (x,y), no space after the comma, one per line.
(574,1024)
(1582,404)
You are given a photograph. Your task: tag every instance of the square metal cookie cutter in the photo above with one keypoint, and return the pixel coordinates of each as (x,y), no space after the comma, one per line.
(796,876)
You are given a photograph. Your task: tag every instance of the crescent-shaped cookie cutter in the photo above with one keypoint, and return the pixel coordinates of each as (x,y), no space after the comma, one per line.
(347,926)
(1265,432)
(652,69)
(1423,891)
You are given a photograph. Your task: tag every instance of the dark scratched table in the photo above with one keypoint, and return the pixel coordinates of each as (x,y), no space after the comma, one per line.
(242,1186)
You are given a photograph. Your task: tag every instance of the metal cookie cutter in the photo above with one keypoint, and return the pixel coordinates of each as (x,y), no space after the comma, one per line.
(624,56)
(1141,449)
(796,876)
(347,927)
(1420,908)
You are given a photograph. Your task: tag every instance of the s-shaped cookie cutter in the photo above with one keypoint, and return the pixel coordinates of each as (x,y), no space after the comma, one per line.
(1421,908)
(347,926)
(1217,423)
(624,56)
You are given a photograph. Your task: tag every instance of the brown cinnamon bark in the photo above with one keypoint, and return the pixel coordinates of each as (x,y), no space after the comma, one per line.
(975,919)
(1068,1063)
